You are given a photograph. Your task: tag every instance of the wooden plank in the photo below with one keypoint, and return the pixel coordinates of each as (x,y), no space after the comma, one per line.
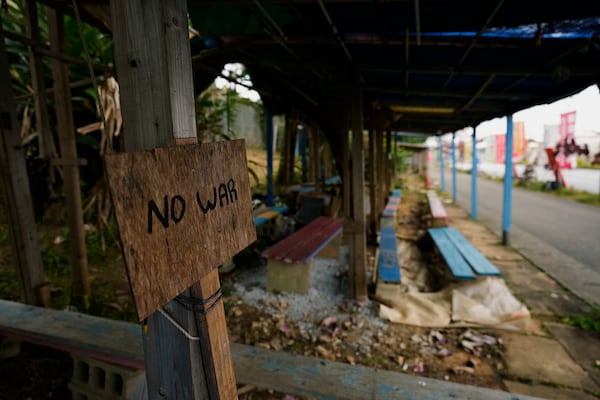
(454,259)
(107,340)
(476,260)
(80,285)
(320,379)
(182,227)
(19,204)
(120,342)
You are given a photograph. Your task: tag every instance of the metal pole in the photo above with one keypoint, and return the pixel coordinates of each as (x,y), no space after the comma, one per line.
(474,176)
(442,177)
(270,187)
(453,167)
(508,178)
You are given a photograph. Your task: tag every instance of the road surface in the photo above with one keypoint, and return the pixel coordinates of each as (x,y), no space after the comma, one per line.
(560,236)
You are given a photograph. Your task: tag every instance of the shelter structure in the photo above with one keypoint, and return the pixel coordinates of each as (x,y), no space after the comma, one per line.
(422,66)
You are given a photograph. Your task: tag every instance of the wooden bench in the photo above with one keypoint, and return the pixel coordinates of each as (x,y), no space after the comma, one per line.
(438,212)
(289,261)
(121,342)
(388,266)
(461,257)
(267,222)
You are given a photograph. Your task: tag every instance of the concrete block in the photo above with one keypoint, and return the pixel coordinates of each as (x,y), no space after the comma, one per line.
(289,278)
(97,380)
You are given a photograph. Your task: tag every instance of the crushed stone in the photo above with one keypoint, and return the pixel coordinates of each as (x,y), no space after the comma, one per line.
(326,297)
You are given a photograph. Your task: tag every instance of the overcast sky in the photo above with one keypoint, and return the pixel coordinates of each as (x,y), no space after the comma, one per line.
(587,123)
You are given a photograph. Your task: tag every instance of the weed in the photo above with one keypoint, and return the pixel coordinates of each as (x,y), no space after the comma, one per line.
(586,322)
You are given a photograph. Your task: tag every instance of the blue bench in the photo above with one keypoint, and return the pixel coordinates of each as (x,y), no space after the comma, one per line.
(267,215)
(462,258)
(388,266)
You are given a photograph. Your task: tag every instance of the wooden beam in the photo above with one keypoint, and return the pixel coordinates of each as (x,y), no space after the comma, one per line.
(158,111)
(15,182)
(80,286)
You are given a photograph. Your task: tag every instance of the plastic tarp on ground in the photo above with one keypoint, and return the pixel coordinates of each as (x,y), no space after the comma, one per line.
(485,302)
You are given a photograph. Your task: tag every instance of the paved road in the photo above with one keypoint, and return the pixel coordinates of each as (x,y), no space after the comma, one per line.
(560,236)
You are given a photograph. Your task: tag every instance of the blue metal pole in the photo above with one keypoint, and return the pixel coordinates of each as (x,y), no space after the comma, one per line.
(474,176)
(508,179)
(270,187)
(453,167)
(442,176)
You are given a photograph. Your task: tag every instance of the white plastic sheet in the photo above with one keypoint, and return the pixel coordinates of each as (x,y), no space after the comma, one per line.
(485,302)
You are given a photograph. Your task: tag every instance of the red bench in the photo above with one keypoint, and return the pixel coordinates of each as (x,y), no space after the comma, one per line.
(289,261)
(438,212)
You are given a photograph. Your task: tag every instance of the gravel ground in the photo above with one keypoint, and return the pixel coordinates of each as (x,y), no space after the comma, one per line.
(325,299)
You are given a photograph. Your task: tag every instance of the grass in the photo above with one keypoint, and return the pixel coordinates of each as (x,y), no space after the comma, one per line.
(579,196)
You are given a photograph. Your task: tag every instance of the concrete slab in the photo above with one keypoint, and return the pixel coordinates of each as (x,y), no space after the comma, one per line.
(539,359)
(547,392)
(542,294)
(498,252)
(582,346)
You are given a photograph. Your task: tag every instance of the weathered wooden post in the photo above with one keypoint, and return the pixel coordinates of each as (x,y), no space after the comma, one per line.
(15,182)
(372,229)
(181,211)
(69,161)
(359,235)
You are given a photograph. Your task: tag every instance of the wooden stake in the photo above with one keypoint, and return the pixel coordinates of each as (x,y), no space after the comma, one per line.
(80,285)
(158,110)
(13,173)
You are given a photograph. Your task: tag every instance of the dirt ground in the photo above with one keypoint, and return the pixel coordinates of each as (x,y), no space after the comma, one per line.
(447,354)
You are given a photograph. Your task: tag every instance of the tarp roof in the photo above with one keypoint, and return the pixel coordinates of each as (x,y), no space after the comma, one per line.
(436,66)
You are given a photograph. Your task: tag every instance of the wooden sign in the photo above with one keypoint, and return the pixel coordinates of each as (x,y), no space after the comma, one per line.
(181,212)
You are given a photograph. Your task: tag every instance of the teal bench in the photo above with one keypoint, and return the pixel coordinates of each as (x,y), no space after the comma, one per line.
(388,265)
(462,258)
